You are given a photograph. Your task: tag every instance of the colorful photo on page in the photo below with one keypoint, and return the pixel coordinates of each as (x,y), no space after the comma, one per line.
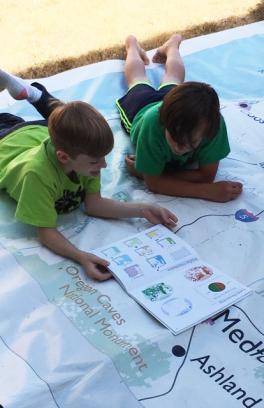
(156,261)
(134,243)
(158,291)
(198,273)
(154,234)
(122,260)
(216,286)
(133,271)
(144,251)
(111,252)
(167,242)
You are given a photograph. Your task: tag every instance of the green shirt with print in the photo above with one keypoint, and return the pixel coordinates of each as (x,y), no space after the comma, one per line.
(153,152)
(32,175)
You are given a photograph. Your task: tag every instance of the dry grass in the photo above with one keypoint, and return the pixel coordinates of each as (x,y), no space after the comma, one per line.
(40,65)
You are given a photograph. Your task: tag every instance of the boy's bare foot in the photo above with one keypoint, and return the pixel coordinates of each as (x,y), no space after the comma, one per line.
(130,163)
(223,191)
(160,55)
(131,42)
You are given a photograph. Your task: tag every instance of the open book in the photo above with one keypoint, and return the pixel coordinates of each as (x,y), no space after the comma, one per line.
(167,277)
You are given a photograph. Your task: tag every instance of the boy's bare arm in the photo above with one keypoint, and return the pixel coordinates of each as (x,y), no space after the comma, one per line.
(204,174)
(98,206)
(94,266)
(189,183)
(170,184)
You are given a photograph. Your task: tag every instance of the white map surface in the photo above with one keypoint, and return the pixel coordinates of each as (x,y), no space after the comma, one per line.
(67,341)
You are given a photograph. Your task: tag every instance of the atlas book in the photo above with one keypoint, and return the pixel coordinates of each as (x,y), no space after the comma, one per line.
(166,276)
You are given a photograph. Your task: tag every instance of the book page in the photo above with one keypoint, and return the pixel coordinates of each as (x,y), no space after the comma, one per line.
(167,277)
(141,259)
(187,297)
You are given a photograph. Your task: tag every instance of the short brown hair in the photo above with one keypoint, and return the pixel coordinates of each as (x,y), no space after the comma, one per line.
(188,106)
(77,128)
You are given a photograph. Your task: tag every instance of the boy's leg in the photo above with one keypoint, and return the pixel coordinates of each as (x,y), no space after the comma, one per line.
(18,88)
(136,60)
(46,103)
(169,55)
(36,94)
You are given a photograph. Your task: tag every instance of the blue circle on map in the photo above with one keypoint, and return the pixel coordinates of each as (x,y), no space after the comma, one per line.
(178,351)
(245,216)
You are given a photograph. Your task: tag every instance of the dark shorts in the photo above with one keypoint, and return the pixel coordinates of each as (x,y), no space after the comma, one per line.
(9,123)
(139,96)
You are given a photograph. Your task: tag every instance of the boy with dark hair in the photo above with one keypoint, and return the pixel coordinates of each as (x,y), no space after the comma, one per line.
(49,167)
(174,126)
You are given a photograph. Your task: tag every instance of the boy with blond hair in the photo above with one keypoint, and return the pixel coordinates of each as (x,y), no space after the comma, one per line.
(52,166)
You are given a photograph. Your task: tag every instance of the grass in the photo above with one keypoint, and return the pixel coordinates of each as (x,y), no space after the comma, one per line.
(66,53)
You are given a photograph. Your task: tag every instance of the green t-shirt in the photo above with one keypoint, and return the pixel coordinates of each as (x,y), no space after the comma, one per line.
(153,152)
(32,175)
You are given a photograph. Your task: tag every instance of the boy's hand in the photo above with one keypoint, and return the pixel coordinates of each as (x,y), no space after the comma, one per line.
(159,215)
(95,267)
(224,191)
(130,163)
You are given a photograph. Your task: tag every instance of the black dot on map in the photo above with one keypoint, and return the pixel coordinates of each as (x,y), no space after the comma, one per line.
(243,105)
(178,351)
